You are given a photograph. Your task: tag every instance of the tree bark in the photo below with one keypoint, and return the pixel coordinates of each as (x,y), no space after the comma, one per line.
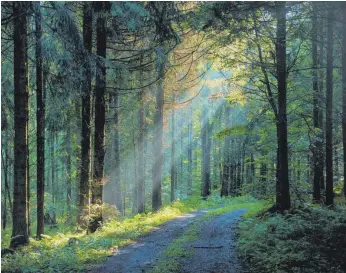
(173,170)
(20,214)
(100,113)
(158,131)
(329,111)
(344,95)
(83,194)
(317,153)
(40,125)
(285,200)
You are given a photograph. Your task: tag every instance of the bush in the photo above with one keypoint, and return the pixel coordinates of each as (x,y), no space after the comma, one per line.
(310,239)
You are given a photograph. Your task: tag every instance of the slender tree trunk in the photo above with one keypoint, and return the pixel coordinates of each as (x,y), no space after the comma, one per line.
(225,183)
(52,162)
(20,214)
(83,194)
(141,151)
(285,200)
(205,158)
(329,111)
(344,94)
(100,113)
(40,126)
(158,154)
(135,176)
(116,182)
(317,153)
(69,170)
(173,171)
(189,153)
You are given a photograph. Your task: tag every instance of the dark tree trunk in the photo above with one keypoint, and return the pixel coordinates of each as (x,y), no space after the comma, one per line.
(344,95)
(100,112)
(40,126)
(329,111)
(285,200)
(158,155)
(83,195)
(317,153)
(20,214)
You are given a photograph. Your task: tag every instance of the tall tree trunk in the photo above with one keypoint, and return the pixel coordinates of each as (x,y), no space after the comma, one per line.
(69,170)
(317,153)
(100,113)
(189,153)
(40,126)
(20,214)
(116,181)
(285,200)
(52,163)
(329,111)
(135,176)
(173,170)
(344,95)
(83,194)
(158,155)
(141,151)
(205,157)
(226,158)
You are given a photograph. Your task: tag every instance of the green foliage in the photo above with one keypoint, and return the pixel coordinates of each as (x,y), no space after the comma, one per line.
(309,239)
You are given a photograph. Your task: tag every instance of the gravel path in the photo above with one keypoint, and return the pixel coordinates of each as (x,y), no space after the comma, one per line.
(213,251)
(141,256)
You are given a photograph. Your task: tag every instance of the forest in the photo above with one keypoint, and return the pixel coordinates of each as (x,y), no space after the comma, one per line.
(172,136)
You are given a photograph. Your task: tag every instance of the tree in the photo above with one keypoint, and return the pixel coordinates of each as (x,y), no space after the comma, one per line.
(317,152)
(285,201)
(329,111)
(20,214)
(85,133)
(40,136)
(100,113)
(344,93)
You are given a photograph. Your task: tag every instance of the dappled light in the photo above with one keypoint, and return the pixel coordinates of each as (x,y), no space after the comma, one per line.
(171,137)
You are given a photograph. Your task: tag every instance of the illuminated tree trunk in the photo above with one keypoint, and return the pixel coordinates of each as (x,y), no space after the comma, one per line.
(157,145)
(173,170)
(189,154)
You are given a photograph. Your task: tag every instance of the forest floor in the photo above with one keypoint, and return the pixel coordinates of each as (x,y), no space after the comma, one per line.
(201,241)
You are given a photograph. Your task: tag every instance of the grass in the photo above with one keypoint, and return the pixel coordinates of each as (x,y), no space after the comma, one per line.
(169,260)
(71,252)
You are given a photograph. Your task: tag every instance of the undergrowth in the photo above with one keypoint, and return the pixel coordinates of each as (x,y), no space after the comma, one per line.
(306,240)
(71,252)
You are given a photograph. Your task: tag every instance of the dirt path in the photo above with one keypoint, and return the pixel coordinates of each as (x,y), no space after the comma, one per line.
(217,232)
